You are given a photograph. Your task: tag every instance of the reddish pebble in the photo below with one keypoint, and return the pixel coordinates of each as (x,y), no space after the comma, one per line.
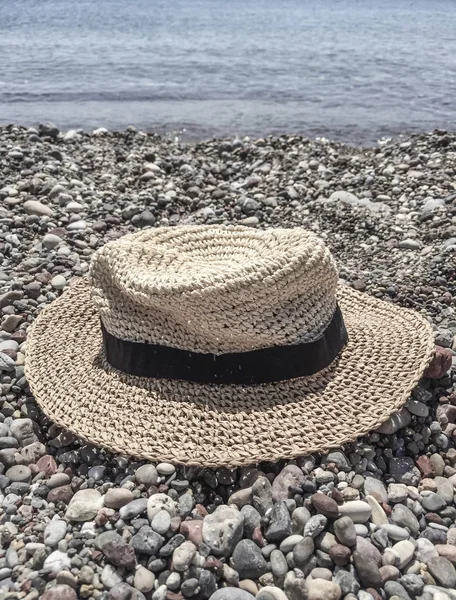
(434,518)
(340,555)
(425,466)
(440,363)
(63,494)
(193,531)
(174,596)
(215,565)
(447,411)
(374,593)
(325,505)
(337,496)
(47,465)
(199,508)
(257,537)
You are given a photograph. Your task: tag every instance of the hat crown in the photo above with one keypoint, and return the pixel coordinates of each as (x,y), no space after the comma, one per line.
(215,289)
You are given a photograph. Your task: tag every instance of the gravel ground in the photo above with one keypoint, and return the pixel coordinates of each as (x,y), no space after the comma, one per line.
(373,520)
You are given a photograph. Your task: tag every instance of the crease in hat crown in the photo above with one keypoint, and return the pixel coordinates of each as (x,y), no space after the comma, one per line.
(215,289)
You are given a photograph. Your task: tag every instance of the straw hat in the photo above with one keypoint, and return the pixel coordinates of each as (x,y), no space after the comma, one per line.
(212,345)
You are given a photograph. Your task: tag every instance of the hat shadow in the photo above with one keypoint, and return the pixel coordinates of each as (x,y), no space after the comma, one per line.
(220,397)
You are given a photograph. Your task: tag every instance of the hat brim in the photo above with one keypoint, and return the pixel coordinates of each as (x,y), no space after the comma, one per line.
(214,425)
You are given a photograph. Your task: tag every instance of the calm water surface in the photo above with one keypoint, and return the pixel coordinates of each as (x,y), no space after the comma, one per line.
(354,70)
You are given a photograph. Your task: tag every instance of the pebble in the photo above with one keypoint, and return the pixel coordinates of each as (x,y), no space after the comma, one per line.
(374,487)
(403,516)
(303,550)
(287,482)
(146,475)
(396,421)
(158,502)
(54,532)
(320,589)
(58,282)
(325,505)
(405,550)
(183,555)
(60,592)
(222,530)
(33,207)
(358,511)
(19,473)
(443,571)
(147,541)
(271,593)
(57,561)
(166,469)
(133,509)
(118,497)
(345,531)
(248,561)
(231,593)
(279,565)
(161,522)
(280,525)
(84,505)
(378,516)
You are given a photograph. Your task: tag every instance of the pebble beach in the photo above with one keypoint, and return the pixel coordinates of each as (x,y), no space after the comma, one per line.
(373,520)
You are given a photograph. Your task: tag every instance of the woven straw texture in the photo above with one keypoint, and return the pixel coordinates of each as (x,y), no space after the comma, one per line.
(214,425)
(215,289)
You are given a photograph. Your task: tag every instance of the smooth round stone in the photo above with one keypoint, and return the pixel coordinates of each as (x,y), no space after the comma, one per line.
(144,579)
(33,207)
(97,473)
(77,226)
(57,480)
(165,469)
(279,565)
(173,581)
(389,573)
(146,475)
(118,497)
(51,241)
(357,510)
(345,531)
(303,550)
(319,573)
(54,532)
(231,593)
(445,489)
(158,502)
(395,532)
(361,530)
(433,502)
(443,572)
(270,592)
(19,473)
(74,207)
(290,542)
(57,561)
(405,550)
(58,282)
(161,522)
